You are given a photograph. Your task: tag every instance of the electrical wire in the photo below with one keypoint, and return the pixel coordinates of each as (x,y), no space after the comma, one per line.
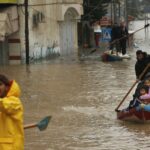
(88,14)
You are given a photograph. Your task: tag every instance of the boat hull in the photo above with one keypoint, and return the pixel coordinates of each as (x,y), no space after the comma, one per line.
(108,56)
(134,115)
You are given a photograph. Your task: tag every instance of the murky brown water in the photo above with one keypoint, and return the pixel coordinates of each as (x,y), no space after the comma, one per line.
(81,97)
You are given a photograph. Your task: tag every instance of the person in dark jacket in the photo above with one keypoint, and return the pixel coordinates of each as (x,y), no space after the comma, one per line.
(115,36)
(124,37)
(142,61)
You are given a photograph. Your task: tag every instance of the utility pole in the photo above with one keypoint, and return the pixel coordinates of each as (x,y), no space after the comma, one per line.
(112,22)
(126,12)
(26,31)
(119,15)
(114,7)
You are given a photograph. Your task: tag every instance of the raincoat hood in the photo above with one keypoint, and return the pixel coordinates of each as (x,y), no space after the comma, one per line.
(14,89)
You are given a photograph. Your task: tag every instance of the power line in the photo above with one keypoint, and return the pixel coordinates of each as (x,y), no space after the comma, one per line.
(47,4)
(88,14)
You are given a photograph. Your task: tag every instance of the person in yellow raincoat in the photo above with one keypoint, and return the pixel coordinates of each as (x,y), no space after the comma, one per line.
(11,115)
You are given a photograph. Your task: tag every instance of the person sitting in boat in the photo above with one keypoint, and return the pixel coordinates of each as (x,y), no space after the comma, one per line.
(147,95)
(141,83)
(144,95)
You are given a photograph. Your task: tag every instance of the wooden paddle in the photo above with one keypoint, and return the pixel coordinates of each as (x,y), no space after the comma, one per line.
(42,125)
(141,75)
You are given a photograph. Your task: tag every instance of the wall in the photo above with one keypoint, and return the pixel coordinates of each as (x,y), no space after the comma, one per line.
(44,37)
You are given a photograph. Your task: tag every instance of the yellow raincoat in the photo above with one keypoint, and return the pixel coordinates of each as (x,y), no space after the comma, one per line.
(11,120)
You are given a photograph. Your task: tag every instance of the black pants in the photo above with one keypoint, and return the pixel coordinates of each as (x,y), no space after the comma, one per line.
(123,46)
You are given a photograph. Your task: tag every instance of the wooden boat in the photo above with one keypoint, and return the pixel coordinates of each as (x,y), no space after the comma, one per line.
(133,115)
(109,56)
(140,113)
(113,56)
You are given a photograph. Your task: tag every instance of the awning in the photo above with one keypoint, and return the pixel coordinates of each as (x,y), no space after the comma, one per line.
(8,22)
(8,1)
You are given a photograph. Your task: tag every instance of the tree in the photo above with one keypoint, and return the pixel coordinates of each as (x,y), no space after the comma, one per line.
(94,9)
(133,8)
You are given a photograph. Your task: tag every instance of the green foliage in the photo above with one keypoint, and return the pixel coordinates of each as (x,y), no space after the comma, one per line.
(133,8)
(94,9)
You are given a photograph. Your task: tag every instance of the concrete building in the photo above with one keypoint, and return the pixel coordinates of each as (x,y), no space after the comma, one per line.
(52,29)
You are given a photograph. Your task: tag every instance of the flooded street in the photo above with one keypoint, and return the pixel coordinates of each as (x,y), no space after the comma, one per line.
(81,97)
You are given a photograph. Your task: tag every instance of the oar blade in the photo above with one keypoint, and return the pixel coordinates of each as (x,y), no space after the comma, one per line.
(146,25)
(42,125)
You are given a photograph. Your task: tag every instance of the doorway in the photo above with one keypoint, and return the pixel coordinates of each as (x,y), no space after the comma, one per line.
(68,33)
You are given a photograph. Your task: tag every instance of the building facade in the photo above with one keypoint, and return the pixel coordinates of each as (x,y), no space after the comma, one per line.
(52,29)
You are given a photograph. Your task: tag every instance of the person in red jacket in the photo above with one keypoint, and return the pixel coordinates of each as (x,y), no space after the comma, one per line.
(11,115)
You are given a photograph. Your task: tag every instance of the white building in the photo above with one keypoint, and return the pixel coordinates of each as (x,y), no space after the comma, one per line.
(52,29)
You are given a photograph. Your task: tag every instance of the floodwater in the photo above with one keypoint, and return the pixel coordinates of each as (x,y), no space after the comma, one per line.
(81,97)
